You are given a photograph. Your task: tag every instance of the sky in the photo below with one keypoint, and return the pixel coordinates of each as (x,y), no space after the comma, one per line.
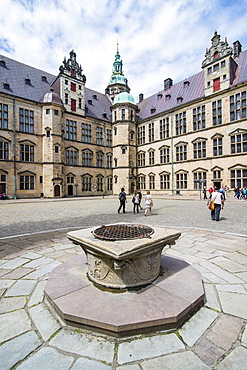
(157,39)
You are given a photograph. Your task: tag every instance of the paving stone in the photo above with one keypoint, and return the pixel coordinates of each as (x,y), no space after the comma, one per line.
(14,263)
(231,266)
(18,273)
(148,347)
(2,291)
(236,360)
(225,331)
(234,288)
(46,358)
(13,324)
(208,351)
(211,297)
(213,278)
(3,272)
(244,337)
(21,287)
(6,283)
(31,255)
(63,246)
(17,349)
(43,271)
(234,304)
(177,361)
(197,325)
(38,294)
(39,262)
(85,345)
(129,367)
(230,278)
(84,363)
(12,304)
(45,322)
(242,275)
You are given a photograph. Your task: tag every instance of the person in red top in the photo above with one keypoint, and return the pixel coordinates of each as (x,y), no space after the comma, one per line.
(218,200)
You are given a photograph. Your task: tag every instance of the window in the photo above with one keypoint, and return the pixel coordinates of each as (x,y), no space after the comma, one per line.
(141,135)
(26,120)
(71,130)
(164,128)
(199,149)
(223,63)
(48,133)
(238,106)
(44,78)
(151,182)
(199,121)
(179,99)
(151,157)
(164,155)
(71,156)
(73,105)
(141,182)
(216,84)
(217,146)
(99,135)
(181,152)
(115,130)
(56,149)
(152,110)
(87,157)
(73,86)
(123,150)
(99,159)
(79,103)
(47,111)
(217,112)
(115,115)
(100,183)
(123,114)
(26,152)
(209,70)
(239,143)
(109,161)
(151,132)
(181,123)
(70,179)
(198,178)
(108,137)
(4,116)
(55,112)
(86,134)
(181,180)
(26,182)
(141,159)
(109,183)
(86,183)
(66,82)
(216,67)
(216,174)
(238,177)
(164,181)
(4,149)
(66,98)
(216,55)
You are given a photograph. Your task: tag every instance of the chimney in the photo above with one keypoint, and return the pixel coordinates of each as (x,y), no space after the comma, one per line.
(237,48)
(141,97)
(168,84)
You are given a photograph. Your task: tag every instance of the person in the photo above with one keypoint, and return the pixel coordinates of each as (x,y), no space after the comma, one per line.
(218,200)
(149,204)
(135,201)
(210,190)
(122,199)
(140,197)
(204,192)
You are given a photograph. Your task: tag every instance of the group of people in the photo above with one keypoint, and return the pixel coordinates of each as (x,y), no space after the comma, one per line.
(136,200)
(240,193)
(223,191)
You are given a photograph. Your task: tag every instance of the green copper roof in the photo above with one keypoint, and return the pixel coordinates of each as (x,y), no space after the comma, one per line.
(117,71)
(124,97)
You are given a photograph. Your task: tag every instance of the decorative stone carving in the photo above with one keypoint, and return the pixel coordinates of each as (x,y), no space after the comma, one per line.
(221,47)
(71,67)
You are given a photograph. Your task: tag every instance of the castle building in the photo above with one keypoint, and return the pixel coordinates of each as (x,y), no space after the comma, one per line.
(59,138)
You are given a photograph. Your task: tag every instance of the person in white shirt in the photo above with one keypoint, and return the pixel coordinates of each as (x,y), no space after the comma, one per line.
(218,200)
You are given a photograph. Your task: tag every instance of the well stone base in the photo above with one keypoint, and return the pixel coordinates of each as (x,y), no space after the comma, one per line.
(164,304)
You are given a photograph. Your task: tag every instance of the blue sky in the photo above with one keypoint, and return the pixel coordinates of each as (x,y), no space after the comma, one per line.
(157,39)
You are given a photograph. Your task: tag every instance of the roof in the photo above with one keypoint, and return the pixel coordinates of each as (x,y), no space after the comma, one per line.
(124,97)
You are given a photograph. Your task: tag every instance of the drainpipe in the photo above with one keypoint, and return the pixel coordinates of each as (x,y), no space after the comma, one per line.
(104,159)
(172,154)
(14,146)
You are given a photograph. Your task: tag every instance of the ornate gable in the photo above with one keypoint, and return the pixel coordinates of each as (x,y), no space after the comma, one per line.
(218,50)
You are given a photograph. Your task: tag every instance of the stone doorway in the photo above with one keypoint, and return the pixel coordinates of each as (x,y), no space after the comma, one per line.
(57,190)
(70,190)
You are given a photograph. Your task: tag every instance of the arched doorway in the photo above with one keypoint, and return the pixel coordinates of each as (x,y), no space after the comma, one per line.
(132,187)
(70,190)
(57,190)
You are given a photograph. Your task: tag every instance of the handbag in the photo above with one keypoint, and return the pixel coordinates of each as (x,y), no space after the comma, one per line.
(151,203)
(211,206)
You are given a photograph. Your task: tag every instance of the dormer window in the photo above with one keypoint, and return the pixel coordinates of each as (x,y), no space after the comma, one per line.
(186,83)
(159,96)
(27,81)
(2,63)
(216,55)
(104,115)
(90,102)
(168,96)
(179,99)
(44,78)
(6,86)
(95,96)
(153,110)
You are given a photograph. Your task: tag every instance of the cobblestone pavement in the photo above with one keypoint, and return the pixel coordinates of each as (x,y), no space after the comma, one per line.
(32,337)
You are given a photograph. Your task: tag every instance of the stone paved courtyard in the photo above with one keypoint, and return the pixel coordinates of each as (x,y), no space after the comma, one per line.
(32,337)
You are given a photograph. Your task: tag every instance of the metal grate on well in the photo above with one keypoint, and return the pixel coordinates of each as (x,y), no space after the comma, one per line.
(123,232)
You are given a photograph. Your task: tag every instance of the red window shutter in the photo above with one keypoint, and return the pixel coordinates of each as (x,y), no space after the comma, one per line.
(216,55)
(73,105)
(217,84)
(73,86)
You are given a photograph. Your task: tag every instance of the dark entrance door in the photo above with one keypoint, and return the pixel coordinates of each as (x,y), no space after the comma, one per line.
(57,190)
(70,190)
(217,184)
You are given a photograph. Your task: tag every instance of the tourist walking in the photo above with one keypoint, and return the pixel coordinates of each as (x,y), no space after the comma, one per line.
(149,204)
(135,201)
(217,199)
(122,199)
(140,197)
(204,191)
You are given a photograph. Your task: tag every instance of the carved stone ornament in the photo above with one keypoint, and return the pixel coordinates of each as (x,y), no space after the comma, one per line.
(221,47)
(72,68)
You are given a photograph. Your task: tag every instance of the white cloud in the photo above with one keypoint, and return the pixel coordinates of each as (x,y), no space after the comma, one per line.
(156,39)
